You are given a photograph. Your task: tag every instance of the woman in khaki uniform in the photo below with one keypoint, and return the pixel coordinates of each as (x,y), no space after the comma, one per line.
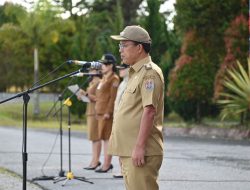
(92,124)
(105,98)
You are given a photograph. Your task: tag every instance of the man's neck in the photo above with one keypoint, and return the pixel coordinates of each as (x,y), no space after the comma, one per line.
(141,56)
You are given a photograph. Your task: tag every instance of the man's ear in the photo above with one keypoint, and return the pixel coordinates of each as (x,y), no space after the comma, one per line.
(140,48)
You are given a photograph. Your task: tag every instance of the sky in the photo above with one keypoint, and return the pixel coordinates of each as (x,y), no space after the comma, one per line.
(167,6)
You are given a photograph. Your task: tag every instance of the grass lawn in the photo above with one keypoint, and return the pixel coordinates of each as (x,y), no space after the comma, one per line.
(11,114)
(8,172)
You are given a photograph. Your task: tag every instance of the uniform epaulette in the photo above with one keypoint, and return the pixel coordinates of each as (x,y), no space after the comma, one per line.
(148,66)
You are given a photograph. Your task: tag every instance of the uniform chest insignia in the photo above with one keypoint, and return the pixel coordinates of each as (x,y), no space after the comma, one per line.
(149,84)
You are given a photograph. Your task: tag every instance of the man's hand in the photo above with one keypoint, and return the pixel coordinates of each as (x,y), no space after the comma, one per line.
(138,156)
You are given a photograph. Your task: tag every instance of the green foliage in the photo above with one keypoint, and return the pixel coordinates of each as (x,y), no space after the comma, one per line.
(205,28)
(191,80)
(207,17)
(78,107)
(209,20)
(203,24)
(196,86)
(193,110)
(164,49)
(13,46)
(156,26)
(236,42)
(11,115)
(191,89)
(235,100)
(11,13)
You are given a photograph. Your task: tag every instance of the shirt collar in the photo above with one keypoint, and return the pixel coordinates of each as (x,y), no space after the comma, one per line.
(138,65)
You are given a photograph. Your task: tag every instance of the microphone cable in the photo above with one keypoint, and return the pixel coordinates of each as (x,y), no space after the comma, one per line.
(52,148)
(48,74)
(57,134)
(61,94)
(50,153)
(55,114)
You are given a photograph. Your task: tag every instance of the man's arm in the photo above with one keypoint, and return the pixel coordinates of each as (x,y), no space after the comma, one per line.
(144,132)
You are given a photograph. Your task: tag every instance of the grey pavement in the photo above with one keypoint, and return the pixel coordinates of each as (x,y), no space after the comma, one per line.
(189,163)
(8,181)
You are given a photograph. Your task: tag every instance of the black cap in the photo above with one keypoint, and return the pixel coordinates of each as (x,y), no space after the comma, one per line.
(107,59)
(122,66)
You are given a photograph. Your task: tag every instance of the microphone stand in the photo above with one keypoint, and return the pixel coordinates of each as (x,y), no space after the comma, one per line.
(61,172)
(88,80)
(26,99)
(70,175)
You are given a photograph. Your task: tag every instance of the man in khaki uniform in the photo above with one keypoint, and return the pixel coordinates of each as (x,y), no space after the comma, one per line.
(123,73)
(137,127)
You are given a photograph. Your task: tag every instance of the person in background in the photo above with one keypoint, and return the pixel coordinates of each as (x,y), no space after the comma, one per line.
(123,74)
(92,124)
(137,136)
(105,98)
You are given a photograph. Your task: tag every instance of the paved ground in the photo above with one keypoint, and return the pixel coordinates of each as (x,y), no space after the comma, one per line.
(8,181)
(189,164)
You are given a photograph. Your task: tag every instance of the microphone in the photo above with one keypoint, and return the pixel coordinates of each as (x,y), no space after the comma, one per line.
(86,74)
(92,65)
(77,62)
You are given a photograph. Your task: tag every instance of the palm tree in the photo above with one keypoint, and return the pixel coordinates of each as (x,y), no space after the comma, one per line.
(236,98)
(37,25)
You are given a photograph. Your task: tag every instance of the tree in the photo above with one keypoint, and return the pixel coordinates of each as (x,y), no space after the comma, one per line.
(36,26)
(202,23)
(236,43)
(11,13)
(155,24)
(14,48)
(164,43)
(129,8)
(191,81)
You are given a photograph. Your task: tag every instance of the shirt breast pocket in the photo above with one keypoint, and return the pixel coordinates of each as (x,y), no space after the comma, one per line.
(131,90)
(130,94)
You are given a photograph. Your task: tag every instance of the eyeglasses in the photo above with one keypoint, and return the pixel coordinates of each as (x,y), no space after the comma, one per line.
(122,46)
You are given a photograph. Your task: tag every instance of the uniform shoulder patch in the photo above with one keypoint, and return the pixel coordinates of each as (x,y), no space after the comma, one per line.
(149,84)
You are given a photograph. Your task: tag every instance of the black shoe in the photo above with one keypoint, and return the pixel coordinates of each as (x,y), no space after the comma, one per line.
(93,168)
(105,171)
(118,176)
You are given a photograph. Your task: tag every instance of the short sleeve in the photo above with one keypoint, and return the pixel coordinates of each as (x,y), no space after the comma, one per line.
(151,89)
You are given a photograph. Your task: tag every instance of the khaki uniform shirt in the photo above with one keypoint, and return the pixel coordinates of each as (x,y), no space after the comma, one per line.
(91,91)
(145,87)
(106,93)
(120,92)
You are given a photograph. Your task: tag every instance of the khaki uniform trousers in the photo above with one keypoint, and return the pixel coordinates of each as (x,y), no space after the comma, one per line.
(141,178)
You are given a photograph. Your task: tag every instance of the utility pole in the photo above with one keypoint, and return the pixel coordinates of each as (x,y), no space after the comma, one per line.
(36,110)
